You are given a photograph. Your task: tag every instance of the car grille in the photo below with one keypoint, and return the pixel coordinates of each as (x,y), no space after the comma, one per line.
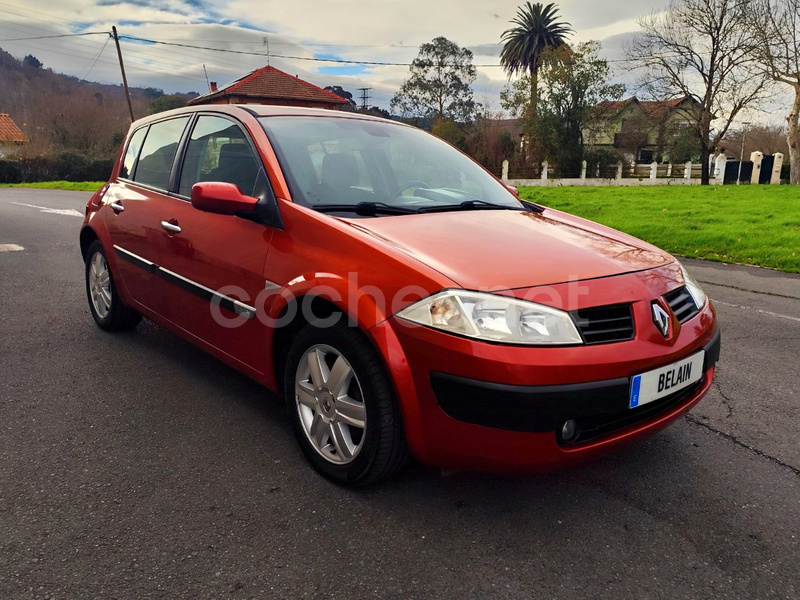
(605,324)
(682,304)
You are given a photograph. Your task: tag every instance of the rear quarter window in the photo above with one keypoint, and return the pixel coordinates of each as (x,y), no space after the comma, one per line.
(132,153)
(158,153)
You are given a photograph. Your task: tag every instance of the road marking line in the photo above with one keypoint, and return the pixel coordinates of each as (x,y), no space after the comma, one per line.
(54,211)
(758,310)
(747,290)
(10,248)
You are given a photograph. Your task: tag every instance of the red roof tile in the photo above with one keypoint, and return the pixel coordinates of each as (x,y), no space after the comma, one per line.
(652,108)
(613,106)
(660,108)
(274,84)
(9,132)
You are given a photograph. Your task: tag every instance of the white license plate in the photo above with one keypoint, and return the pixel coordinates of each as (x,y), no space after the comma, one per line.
(664,381)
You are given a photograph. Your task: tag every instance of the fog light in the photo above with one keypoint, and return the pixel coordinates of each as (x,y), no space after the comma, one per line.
(569,430)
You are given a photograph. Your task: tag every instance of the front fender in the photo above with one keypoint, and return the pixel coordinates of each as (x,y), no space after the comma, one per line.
(363,305)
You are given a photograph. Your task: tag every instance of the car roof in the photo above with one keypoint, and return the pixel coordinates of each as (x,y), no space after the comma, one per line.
(257,110)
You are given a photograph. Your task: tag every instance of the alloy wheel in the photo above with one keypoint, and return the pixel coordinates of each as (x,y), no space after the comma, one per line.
(330,404)
(100,285)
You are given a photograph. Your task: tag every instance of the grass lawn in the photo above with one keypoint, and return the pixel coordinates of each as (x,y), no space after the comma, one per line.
(75,186)
(753,225)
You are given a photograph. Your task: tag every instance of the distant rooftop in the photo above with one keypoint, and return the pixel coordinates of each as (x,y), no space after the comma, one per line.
(9,132)
(270,85)
(653,108)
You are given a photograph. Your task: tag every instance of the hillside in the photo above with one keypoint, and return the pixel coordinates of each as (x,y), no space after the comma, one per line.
(59,112)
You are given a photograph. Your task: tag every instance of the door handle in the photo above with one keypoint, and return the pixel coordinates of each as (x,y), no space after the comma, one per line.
(171,227)
(117,207)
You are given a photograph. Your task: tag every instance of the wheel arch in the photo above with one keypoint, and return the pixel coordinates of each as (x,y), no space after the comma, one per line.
(321,308)
(88,235)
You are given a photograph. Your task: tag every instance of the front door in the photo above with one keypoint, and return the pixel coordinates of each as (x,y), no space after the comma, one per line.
(136,201)
(215,263)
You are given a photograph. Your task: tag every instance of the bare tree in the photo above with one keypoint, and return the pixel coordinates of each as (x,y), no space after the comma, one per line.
(769,139)
(776,26)
(705,50)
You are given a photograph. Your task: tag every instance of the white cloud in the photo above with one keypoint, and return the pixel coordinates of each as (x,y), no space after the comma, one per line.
(382,31)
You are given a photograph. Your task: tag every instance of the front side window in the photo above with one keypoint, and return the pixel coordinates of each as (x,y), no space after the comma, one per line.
(132,153)
(218,151)
(158,153)
(338,161)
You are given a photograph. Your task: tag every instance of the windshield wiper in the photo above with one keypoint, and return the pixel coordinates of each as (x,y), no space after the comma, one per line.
(366,209)
(468,205)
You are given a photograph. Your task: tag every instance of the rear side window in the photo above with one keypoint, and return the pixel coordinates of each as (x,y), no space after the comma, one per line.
(132,153)
(158,152)
(218,151)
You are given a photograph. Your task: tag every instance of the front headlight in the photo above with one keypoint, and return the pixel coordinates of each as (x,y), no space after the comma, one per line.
(694,289)
(494,318)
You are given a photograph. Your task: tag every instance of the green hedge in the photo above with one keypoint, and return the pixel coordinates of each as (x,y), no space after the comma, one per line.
(64,167)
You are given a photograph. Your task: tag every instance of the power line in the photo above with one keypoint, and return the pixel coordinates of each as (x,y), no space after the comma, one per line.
(315,44)
(81,49)
(135,67)
(307,58)
(63,35)
(250,53)
(85,75)
(217,51)
(30,10)
(284,56)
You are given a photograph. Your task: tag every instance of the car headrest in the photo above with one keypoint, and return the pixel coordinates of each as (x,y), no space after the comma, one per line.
(230,154)
(339,171)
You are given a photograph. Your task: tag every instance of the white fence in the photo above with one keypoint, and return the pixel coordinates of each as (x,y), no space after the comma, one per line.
(595,182)
(657,174)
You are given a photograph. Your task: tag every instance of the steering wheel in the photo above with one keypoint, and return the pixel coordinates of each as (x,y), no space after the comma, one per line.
(412,184)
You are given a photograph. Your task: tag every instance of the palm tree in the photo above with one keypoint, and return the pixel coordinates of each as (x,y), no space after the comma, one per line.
(537,29)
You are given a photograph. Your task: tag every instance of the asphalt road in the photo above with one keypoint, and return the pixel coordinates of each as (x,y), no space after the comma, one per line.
(135,466)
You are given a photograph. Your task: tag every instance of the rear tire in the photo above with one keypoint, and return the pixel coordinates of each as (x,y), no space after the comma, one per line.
(344,414)
(105,304)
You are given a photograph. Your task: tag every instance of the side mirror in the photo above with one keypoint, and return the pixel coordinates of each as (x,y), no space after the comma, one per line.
(221,198)
(513,190)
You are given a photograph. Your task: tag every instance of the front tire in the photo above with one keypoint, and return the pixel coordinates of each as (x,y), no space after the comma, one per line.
(342,407)
(104,302)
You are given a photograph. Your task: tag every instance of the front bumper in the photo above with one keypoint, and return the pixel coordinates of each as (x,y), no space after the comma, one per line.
(473,405)
(598,407)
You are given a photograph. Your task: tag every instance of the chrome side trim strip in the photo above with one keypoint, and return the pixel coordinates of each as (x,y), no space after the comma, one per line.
(199,290)
(234,306)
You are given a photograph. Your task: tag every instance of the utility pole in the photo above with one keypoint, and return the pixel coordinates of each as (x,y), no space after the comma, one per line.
(741,156)
(364,97)
(206,74)
(124,78)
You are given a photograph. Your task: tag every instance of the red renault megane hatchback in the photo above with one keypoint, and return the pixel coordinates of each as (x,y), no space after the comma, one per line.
(402,299)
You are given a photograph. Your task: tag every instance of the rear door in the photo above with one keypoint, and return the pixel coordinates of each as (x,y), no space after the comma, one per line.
(136,201)
(215,263)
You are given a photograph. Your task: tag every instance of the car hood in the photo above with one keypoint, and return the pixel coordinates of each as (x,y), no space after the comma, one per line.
(509,249)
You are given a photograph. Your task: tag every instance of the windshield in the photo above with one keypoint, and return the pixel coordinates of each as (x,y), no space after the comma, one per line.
(332,163)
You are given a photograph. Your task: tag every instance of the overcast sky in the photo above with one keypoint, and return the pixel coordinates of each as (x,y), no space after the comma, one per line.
(381,30)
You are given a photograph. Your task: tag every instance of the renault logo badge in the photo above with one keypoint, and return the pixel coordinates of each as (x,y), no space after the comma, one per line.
(661,319)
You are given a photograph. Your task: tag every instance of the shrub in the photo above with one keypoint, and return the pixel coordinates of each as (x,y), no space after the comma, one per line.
(10,171)
(603,163)
(67,166)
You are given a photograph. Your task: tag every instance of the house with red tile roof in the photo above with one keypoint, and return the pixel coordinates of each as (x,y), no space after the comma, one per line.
(11,137)
(639,130)
(272,86)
